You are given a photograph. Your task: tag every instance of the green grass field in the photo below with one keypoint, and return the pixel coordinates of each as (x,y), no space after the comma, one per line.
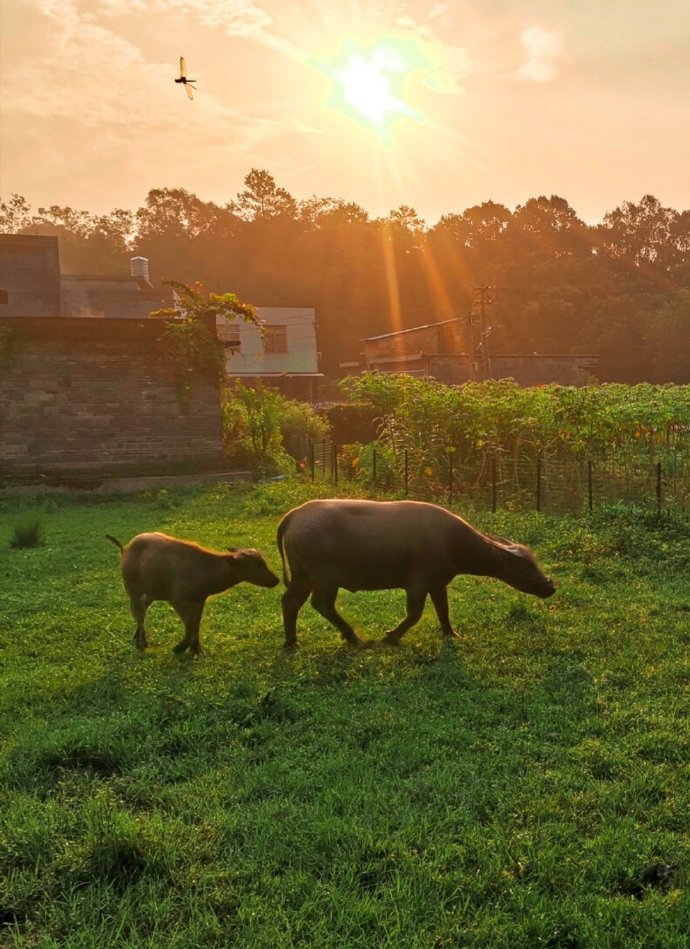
(526,786)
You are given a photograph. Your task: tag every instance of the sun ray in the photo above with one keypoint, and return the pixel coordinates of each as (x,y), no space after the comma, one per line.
(392,284)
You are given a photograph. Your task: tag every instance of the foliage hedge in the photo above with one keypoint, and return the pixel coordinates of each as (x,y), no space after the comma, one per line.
(428,418)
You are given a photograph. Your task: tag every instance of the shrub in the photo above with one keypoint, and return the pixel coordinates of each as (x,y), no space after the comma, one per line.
(300,424)
(28,533)
(261,424)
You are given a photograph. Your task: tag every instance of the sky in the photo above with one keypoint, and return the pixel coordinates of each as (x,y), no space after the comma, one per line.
(434,105)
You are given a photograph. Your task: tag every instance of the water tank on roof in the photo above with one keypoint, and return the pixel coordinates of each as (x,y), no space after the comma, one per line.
(139,267)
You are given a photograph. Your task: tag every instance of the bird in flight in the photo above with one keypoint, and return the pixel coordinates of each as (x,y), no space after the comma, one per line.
(183,78)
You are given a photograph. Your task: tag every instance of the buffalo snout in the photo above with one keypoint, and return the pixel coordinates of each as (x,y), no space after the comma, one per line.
(548,589)
(256,570)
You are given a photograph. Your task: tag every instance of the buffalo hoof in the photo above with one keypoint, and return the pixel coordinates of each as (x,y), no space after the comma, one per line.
(391,639)
(359,643)
(180,647)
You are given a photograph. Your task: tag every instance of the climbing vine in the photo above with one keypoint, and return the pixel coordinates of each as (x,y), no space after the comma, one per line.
(189,340)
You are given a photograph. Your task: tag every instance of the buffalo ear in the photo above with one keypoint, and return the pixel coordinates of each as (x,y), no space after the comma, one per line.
(231,550)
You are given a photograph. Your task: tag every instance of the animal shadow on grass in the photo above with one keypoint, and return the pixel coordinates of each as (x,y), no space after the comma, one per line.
(105,725)
(374,661)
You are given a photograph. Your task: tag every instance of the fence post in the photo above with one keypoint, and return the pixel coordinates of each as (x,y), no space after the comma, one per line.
(493,484)
(373,466)
(407,471)
(658,489)
(451,455)
(335,464)
(312,460)
(538,485)
(590,497)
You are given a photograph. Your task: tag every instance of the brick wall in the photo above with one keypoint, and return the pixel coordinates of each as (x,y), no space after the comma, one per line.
(87,396)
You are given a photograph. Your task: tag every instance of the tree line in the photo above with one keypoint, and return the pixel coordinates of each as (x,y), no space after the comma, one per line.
(619,289)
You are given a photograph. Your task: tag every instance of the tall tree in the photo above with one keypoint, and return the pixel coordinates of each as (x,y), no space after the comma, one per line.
(173,229)
(263,199)
(323,212)
(645,233)
(15,214)
(548,227)
(668,339)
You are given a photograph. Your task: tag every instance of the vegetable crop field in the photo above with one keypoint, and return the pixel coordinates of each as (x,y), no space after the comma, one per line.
(526,785)
(557,448)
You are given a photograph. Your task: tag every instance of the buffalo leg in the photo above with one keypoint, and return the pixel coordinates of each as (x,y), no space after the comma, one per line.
(324,602)
(292,601)
(138,604)
(189,612)
(439,597)
(415,608)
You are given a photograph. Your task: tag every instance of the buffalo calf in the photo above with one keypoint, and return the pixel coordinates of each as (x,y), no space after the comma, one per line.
(158,567)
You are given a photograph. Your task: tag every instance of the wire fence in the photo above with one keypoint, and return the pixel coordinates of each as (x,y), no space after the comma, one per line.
(547,484)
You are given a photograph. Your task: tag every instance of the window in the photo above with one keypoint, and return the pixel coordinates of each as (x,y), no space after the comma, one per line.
(275,339)
(228,335)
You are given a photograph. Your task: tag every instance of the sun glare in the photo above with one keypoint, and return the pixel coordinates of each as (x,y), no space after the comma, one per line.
(368,84)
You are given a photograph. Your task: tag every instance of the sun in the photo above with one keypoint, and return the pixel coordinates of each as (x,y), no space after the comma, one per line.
(368,84)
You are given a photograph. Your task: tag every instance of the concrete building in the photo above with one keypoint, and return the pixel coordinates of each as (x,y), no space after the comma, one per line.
(30,274)
(281,352)
(439,351)
(284,355)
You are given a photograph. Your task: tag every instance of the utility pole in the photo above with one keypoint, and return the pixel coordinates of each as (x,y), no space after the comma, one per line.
(478,334)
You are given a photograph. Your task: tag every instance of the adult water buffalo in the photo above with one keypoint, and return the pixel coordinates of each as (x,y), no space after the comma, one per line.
(382,545)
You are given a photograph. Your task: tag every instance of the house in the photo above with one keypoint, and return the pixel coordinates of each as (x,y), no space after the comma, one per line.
(115,297)
(282,353)
(440,351)
(403,351)
(29,275)
(35,286)
(83,398)
(279,352)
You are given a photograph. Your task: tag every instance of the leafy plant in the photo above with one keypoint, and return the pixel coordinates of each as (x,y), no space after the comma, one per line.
(189,339)
(500,420)
(300,423)
(260,424)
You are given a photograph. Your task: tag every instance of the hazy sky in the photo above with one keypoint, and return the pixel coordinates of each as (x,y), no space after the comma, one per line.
(436,105)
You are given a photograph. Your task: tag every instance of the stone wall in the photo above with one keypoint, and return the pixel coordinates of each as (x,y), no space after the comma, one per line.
(96,396)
